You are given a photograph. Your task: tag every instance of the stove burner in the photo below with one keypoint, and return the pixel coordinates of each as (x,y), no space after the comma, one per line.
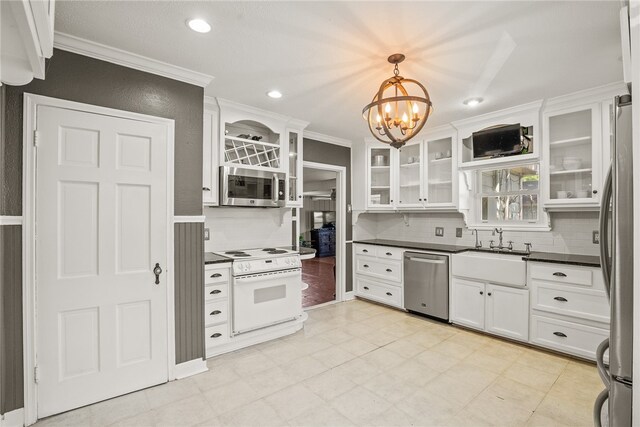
(268,249)
(241,255)
(277,251)
(234,252)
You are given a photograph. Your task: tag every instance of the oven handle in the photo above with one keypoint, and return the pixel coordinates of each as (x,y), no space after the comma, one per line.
(276,189)
(252,278)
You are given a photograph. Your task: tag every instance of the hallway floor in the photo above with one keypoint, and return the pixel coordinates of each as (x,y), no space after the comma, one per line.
(318,274)
(357,363)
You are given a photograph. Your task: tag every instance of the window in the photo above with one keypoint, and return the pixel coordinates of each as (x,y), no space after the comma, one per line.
(509,196)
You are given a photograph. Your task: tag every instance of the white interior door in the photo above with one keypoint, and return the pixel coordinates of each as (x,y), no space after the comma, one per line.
(101,225)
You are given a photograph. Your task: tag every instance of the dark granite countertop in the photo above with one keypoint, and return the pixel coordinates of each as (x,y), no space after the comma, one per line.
(423,246)
(584,260)
(211,258)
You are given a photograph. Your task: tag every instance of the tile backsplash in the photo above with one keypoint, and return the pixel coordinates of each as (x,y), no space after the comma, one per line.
(571,232)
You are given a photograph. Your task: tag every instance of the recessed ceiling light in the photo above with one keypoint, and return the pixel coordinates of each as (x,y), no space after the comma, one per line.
(199,25)
(472,102)
(275,94)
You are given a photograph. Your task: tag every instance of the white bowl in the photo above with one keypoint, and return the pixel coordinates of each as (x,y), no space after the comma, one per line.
(571,163)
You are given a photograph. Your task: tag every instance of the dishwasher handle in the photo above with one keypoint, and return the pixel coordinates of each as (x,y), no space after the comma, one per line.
(427,260)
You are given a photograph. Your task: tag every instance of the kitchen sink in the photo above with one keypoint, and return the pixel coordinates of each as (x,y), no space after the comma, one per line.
(494,267)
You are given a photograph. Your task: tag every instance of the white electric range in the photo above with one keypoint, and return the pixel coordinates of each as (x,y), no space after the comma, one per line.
(267,287)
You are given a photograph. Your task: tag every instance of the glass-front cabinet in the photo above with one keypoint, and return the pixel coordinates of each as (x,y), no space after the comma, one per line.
(410,176)
(380,176)
(574,142)
(294,190)
(439,174)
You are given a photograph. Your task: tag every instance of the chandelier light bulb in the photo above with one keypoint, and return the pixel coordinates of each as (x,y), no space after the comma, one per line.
(416,109)
(405,118)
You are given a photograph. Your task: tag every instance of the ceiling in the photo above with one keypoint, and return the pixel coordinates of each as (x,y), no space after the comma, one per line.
(328,58)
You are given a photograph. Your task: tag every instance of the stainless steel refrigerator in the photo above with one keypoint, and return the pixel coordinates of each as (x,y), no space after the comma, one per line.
(616,259)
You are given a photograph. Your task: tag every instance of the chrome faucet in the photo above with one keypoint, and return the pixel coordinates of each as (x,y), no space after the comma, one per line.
(528,247)
(499,231)
(478,243)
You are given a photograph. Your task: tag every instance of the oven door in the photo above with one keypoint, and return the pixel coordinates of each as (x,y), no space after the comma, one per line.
(266,299)
(248,187)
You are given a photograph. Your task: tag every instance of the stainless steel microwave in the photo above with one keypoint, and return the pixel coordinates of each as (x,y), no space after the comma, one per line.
(249,187)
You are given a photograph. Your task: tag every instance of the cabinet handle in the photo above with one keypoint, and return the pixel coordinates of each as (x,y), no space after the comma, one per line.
(389,254)
(390,294)
(559,274)
(365,266)
(206,189)
(214,275)
(488,293)
(595,191)
(481,293)
(391,201)
(216,335)
(561,299)
(300,197)
(215,291)
(365,251)
(215,313)
(389,270)
(560,334)
(366,288)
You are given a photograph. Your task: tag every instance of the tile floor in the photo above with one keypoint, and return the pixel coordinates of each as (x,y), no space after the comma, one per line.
(358,363)
(318,273)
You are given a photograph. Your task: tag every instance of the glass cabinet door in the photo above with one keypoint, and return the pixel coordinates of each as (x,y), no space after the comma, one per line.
(379,177)
(295,195)
(409,176)
(571,162)
(439,174)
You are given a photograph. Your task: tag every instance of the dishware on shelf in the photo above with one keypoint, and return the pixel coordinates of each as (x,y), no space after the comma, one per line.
(411,160)
(564,194)
(571,163)
(582,194)
(375,199)
(379,160)
(438,155)
(447,155)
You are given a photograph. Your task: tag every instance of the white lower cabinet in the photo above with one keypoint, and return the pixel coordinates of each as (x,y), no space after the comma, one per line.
(378,274)
(380,292)
(216,305)
(496,309)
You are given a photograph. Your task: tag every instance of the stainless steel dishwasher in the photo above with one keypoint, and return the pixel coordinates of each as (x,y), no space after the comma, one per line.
(426,284)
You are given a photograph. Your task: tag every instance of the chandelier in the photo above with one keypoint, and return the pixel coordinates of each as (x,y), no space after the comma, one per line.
(400,108)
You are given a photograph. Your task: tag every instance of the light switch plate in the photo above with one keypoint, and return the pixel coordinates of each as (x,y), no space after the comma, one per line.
(459,232)
(596,237)
(439,231)
(206,234)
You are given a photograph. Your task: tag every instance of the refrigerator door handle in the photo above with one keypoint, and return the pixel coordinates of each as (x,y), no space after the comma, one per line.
(602,368)
(597,407)
(607,193)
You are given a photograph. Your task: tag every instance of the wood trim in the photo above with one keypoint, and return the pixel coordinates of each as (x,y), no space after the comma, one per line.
(10,220)
(316,136)
(192,367)
(127,59)
(187,218)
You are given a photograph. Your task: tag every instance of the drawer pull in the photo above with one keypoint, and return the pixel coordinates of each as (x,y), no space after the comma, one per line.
(389,254)
(561,299)
(215,313)
(560,334)
(481,293)
(216,275)
(215,291)
(366,266)
(489,293)
(216,335)
(366,288)
(389,270)
(559,274)
(206,189)
(365,251)
(390,294)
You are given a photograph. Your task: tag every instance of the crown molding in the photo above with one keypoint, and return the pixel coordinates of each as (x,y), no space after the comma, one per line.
(532,108)
(316,136)
(595,94)
(127,59)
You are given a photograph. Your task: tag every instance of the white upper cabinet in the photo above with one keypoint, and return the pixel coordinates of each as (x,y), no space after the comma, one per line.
(409,168)
(440,175)
(295,160)
(26,39)
(380,176)
(210,158)
(577,142)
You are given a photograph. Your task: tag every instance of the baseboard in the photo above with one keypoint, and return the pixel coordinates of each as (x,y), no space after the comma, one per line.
(192,367)
(348,296)
(14,418)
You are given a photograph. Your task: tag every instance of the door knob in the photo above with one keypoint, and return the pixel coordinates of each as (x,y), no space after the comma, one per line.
(157,271)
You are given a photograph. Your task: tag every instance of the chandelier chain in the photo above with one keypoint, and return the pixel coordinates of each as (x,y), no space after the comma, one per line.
(396,70)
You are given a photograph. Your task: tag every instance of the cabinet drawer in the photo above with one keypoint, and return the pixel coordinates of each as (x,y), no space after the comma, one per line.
(385,270)
(568,337)
(386,294)
(563,274)
(385,252)
(214,292)
(214,335)
(216,312)
(367,250)
(571,301)
(216,276)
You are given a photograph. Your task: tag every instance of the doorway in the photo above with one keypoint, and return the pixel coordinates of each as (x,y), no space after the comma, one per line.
(321,227)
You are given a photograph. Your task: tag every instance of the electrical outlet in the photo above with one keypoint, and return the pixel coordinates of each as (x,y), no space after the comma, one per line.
(596,237)
(459,232)
(440,231)
(206,234)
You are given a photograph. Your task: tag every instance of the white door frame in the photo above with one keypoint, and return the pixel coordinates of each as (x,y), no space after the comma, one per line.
(341,218)
(31,102)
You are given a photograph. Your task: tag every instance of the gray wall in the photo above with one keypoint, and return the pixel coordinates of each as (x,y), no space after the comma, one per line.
(91,81)
(321,152)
